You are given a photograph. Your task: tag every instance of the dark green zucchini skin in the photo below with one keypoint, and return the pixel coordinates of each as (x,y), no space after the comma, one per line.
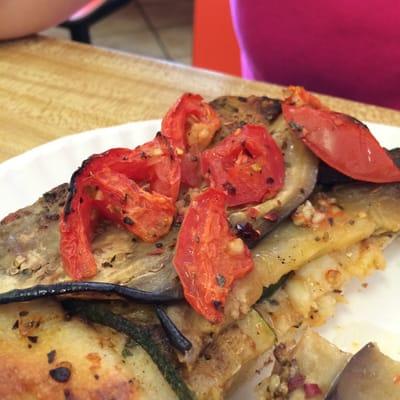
(101,314)
(269,291)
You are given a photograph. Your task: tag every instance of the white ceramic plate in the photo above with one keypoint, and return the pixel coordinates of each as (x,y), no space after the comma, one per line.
(371,313)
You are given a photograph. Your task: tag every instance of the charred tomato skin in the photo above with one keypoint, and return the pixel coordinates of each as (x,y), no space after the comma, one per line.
(341,141)
(248,166)
(209,258)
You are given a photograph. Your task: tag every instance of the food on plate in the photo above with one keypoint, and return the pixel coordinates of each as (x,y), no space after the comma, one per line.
(341,141)
(195,253)
(312,368)
(368,375)
(209,258)
(301,167)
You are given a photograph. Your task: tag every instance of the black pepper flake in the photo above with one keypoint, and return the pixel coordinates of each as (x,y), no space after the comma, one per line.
(229,188)
(68,394)
(247,232)
(23,313)
(96,377)
(106,264)
(60,374)
(16,325)
(67,317)
(50,197)
(295,127)
(52,216)
(51,356)
(330,221)
(246,150)
(270,180)
(220,280)
(352,222)
(33,339)
(143,155)
(128,221)
(159,245)
(217,305)
(29,346)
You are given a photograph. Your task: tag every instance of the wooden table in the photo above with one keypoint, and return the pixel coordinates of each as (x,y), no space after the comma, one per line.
(51,88)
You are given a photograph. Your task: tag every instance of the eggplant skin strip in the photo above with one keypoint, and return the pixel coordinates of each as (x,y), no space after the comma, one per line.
(100,314)
(175,336)
(40,291)
(330,176)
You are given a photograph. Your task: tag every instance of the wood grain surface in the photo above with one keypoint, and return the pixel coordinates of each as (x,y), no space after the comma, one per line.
(50,88)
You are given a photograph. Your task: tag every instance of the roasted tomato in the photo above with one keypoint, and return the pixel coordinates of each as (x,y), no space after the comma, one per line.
(208,257)
(342,142)
(248,165)
(154,163)
(147,215)
(190,124)
(153,166)
(298,96)
(191,173)
(75,237)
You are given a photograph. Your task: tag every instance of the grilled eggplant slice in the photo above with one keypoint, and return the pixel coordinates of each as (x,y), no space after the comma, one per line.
(301,165)
(321,371)
(310,295)
(369,375)
(232,350)
(365,210)
(29,252)
(29,238)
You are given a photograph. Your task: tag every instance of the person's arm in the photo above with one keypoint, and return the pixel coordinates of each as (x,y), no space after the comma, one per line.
(23,17)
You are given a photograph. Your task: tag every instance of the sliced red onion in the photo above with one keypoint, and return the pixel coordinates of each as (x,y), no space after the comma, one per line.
(295,382)
(311,390)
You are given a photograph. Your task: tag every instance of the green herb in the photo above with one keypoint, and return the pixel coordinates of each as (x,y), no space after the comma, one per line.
(271,289)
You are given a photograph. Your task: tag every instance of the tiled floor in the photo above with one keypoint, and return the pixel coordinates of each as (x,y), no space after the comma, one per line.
(155,28)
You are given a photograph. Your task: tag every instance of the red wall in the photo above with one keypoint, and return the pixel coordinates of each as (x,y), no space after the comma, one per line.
(214,43)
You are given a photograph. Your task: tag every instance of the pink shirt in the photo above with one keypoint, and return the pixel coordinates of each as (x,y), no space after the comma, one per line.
(346,48)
